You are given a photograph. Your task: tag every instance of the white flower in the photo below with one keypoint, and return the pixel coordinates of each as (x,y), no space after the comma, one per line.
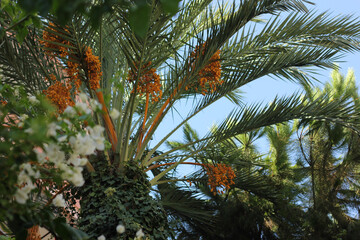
(67,172)
(74,160)
(114,114)
(54,153)
(52,127)
(83,161)
(99,143)
(62,138)
(23,117)
(96,131)
(27,167)
(140,233)
(28,187)
(33,99)
(72,174)
(23,177)
(37,174)
(102,237)
(65,168)
(29,131)
(77,161)
(16,92)
(95,104)
(59,201)
(22,194)
(40,155)
(77,178)
(29,170)
(68,122)
(70,111)
(120,228)
(83,145)
(96,135)
(83,108)
(83,97)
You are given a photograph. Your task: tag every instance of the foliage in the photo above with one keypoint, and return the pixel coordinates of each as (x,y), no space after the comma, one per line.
(302,188)
(6,238)
(110,198)
(329,156)
(247,208)
(200,54)
(12,17)
(322,177)
(23,13)
(31,176)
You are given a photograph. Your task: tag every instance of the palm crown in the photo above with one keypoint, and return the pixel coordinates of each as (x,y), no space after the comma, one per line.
(205,52)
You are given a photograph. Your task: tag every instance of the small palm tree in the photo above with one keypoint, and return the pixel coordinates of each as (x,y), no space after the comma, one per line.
(245,209)
(203,53)
(319,169)
(329,154)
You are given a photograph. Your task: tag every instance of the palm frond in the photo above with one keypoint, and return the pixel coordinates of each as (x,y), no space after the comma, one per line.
(26,65)
(187,206)
(285,109)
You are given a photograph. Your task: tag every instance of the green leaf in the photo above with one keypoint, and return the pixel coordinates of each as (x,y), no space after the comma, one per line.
(4,3)
(2,32)
(139,19)
(21,33)
(22,235)
(18,226)
(41,6)
(9,9)
(170,6)
(64,231)
(96,14)
(36,21)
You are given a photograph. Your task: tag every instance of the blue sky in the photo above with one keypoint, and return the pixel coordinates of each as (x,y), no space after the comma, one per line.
(265,89)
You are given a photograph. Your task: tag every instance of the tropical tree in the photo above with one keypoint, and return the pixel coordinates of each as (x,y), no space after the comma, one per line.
(305,187)
(319,168)
(203,53)
(330,158)
(242,211)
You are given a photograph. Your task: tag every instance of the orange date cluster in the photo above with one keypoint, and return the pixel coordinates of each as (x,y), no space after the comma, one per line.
(60,92)
(149,82)
(208,76)
(220,177)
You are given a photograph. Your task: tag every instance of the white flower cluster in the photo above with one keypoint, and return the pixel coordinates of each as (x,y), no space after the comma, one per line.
(25,182)
(82,145)
(114,114)
(33,100)
(121,229)
(22,118)
(78,147)
(139,234)
(102,237)
(59,201)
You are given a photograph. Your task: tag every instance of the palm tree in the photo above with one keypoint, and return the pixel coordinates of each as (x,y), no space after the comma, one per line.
(322,177)
(312,196)
(244,210)
(203,53)
(329,156)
